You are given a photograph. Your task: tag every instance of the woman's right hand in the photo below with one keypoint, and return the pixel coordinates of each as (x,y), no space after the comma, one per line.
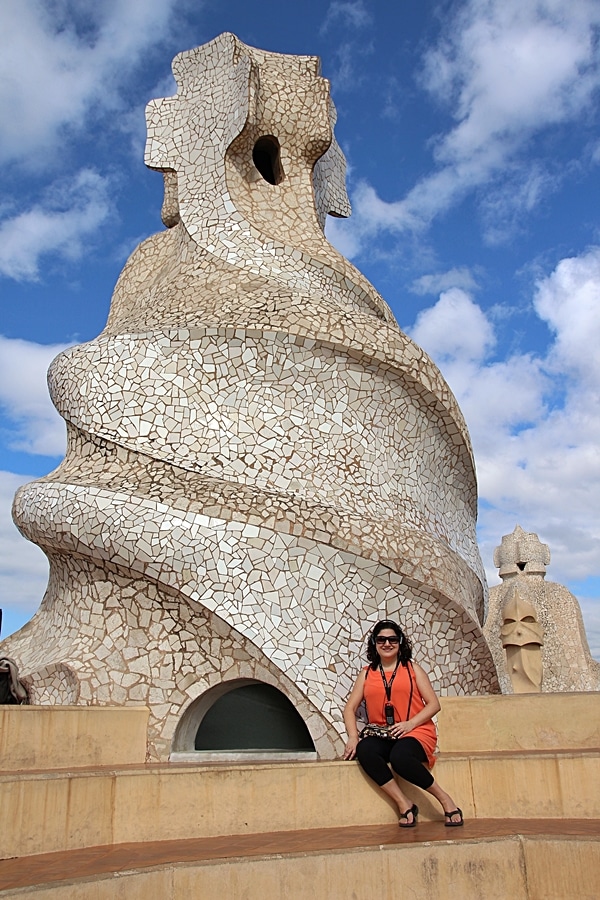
(350,749)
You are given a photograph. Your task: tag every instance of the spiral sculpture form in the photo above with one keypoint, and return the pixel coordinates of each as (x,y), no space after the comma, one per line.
(260,463)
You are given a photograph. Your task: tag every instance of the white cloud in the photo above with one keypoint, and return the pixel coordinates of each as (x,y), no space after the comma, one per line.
(505,72)
(69,213)
(512,67)
(569,301)
(35,427)
(537,459)
(24,398)
(347,17)
(23,566)
(348,13)
(454,329)
(61,61)
(63,65)
(343,239)
(459,277)
(370,215)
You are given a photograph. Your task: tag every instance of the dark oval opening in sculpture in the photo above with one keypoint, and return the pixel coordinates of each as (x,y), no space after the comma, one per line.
(266,156)
(253,717)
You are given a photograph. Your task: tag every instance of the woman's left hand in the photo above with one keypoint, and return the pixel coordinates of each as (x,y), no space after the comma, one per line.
(399,729)
(350,749)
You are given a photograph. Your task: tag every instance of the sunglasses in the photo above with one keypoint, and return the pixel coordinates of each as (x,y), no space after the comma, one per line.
(387,640)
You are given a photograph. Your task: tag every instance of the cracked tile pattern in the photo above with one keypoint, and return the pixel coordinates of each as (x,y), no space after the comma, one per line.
(260,464)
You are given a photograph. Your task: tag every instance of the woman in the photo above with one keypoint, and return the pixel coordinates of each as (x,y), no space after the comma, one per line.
(399,695)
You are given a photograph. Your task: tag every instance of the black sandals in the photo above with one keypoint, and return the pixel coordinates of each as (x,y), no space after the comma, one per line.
(449,823)
(406,824)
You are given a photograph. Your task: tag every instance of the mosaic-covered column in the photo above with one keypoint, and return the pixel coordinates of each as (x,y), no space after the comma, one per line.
(260,463)
(534,627)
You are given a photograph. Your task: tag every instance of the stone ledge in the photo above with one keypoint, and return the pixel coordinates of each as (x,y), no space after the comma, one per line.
(57,811)
(61,737)
(516,858)
(499,722)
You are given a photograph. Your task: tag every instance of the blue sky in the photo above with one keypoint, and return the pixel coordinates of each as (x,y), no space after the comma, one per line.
(471,130)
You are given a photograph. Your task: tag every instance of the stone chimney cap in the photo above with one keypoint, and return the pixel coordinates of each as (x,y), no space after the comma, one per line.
(521,553)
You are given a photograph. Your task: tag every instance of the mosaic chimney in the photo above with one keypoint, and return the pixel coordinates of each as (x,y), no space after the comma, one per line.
(260,464)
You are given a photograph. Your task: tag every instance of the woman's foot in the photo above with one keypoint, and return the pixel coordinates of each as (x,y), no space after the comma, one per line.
(454,818)
(452,813)
(408,819)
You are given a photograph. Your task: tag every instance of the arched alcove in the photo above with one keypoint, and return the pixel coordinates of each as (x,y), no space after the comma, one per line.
(243,718)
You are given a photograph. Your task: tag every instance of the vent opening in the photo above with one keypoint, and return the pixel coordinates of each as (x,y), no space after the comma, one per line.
(253,717)
(267,159)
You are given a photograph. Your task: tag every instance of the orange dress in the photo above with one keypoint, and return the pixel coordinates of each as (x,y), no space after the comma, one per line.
(375,700)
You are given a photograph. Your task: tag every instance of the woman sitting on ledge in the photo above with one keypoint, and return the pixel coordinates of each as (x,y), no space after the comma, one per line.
(400,705)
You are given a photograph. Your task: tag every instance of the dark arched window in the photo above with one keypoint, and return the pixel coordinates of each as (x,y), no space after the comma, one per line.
(253,717)
(267,159)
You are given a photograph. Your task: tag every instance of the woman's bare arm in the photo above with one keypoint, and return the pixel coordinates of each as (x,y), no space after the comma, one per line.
(352,704)
(432,705)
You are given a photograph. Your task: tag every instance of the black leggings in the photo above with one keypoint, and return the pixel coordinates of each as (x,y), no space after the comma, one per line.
(406,756)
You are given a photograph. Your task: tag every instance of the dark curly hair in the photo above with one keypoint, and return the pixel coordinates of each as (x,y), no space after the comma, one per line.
(404,647)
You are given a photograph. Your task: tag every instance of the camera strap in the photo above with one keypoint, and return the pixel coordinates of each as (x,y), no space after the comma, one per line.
(388,684)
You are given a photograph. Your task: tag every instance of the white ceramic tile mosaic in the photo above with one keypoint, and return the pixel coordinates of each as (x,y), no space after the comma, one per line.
(260,463)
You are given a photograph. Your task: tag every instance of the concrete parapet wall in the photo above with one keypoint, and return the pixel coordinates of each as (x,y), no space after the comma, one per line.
(60,737)
(519,722)
(56,737)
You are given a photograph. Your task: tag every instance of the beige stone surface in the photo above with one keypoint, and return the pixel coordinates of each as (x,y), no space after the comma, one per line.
(566,661)
(562,869)
(146,803)
(60,811)
(50,737)
(410,873)
(516,868)
(260,464)
(54,813)
(519,722)
(536,786)
(153,885)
